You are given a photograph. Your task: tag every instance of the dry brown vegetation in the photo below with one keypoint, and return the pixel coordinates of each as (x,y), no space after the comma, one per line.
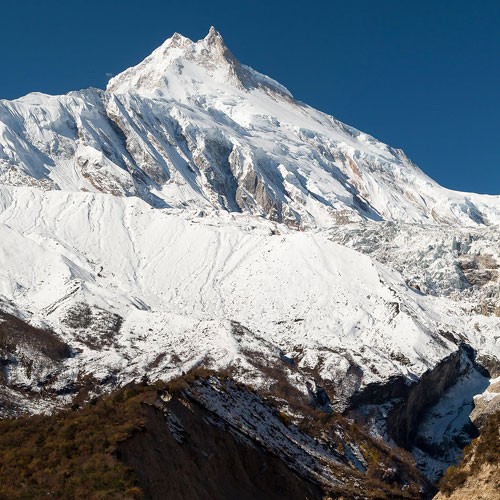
(484,450)
(14,332)
(71,454)
(117,447)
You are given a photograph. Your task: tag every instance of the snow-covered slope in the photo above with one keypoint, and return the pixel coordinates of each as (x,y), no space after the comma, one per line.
(191,126)
(152,228)
(135,289)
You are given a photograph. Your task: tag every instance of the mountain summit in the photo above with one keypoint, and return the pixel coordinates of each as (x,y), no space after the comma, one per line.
(183,70)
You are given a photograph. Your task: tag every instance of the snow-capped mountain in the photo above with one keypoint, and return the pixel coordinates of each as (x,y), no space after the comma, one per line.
(191,126)
(153,227)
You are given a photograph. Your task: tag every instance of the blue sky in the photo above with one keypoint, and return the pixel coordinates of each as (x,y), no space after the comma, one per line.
(420,75)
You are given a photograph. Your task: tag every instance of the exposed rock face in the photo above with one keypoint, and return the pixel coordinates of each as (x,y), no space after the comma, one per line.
(404,418)
(479,270)
(205,460)
(487,403)
(429,417)
(185,450)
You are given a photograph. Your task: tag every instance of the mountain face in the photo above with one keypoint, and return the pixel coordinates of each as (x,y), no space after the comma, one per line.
(196,214)
(192,127)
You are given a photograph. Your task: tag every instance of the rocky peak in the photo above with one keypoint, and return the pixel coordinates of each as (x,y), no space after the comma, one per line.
(183,69)
(214,37)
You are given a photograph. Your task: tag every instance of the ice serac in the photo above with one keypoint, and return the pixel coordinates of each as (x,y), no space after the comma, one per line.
(192,127)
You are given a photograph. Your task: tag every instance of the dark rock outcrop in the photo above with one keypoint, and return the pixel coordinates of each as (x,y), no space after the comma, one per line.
(210,462)
(404,418)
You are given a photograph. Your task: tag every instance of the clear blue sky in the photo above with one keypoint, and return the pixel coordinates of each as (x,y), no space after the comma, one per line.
(420,75)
